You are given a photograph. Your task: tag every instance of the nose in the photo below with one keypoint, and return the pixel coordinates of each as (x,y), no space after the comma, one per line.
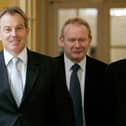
(13,32)
(77,43)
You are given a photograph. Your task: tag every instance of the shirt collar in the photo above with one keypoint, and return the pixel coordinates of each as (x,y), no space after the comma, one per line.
(22,56)
(69,63)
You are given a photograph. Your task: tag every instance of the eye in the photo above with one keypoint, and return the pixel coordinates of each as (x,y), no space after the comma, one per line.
(19,28)
(7,30)
(81,40)
(72,40)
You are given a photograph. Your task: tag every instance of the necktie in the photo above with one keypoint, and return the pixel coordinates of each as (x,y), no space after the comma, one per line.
(75,92)
(16,81)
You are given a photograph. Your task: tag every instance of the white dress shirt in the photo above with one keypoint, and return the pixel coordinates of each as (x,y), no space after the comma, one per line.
(22,65)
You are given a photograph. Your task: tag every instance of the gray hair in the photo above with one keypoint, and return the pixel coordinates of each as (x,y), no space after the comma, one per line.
(78,21)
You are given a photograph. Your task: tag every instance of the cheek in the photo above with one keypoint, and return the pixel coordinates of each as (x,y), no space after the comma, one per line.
(0,36)
(86,44)
(3,37)
(67,48)
(66,45)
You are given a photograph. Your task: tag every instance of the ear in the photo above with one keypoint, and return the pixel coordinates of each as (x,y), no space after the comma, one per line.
(61,42)
(27,30)
(90,40)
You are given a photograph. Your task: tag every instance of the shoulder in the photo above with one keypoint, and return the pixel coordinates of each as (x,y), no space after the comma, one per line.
(116,69)
(37,55)
(96,62)
(118,62)
(59,58)
(118,65)
(39,58)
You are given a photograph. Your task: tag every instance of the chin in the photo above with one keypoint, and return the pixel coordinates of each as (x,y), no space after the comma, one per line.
(76,60)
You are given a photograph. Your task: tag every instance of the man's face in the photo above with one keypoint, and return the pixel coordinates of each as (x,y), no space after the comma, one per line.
(13,33)
(75,41)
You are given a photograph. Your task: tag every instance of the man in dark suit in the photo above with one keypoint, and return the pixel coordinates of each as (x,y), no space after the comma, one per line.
(41,95)
(115,95)
(75,40)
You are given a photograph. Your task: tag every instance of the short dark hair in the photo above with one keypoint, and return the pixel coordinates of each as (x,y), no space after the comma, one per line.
(12,10)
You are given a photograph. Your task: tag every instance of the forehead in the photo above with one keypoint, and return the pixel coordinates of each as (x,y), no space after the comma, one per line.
(75,29)
(70,27)
(11,19)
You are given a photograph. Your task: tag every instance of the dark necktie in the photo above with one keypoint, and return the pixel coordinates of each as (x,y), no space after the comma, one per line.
(75,92)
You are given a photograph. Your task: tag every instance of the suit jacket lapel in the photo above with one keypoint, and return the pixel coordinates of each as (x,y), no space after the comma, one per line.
(90,75)
(5,88)
(62,66)
(88,86)
(31,75)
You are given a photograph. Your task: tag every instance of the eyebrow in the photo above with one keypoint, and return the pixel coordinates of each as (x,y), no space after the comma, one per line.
(14,26)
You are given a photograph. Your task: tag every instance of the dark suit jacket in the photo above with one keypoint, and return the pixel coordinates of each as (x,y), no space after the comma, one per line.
(116,93)
(44,96)
(93,88)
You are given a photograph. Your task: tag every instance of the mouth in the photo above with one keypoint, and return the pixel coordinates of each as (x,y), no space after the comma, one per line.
(14,41)
(78,51)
